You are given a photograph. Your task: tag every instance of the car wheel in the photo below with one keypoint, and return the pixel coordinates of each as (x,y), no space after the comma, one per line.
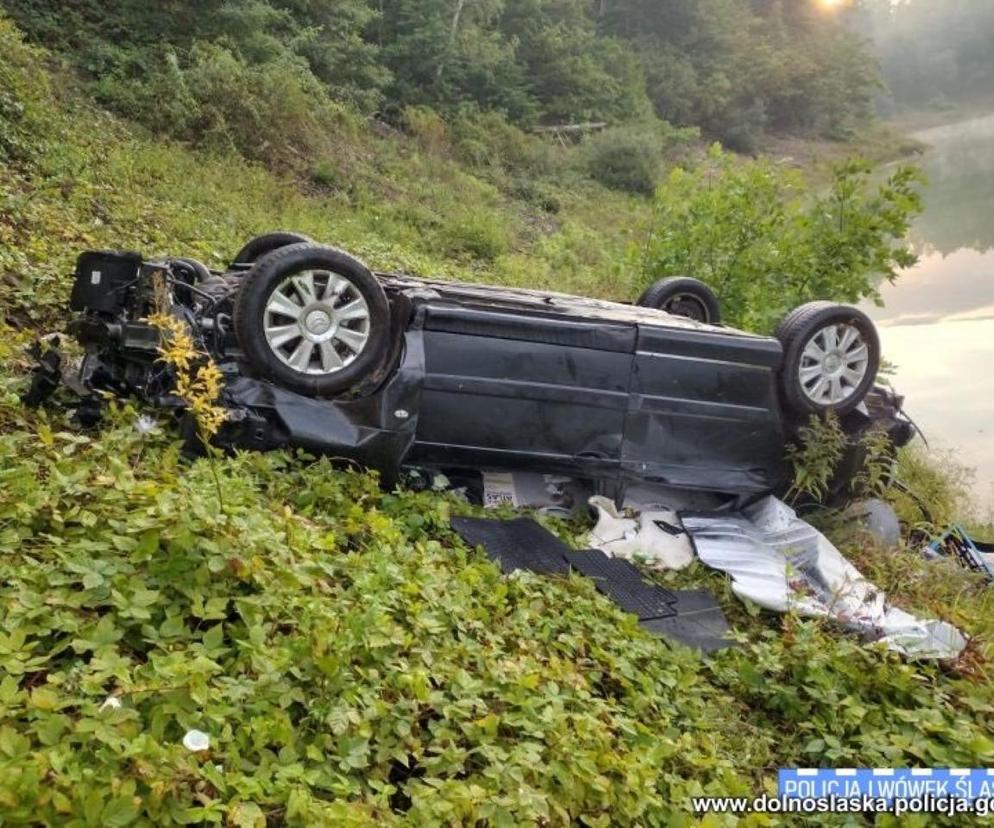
(261,245)
(187,272)
(312,319)
(683,296)
(831,357)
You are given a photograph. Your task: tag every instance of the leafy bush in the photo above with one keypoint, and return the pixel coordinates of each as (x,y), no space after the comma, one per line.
(624,159)
(347,658)
(815,456)
(489,140)
(766,241)
(730,67)
(427,127)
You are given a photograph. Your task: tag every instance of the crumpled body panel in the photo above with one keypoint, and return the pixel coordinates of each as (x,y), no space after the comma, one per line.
(779,562)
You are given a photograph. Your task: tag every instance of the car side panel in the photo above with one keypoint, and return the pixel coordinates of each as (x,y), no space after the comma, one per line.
(704,412)
(513,390)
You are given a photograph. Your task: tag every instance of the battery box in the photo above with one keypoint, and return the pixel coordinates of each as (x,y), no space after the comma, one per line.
(102,279)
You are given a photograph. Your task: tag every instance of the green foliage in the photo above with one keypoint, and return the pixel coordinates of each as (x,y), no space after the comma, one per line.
(478,235)
(936,480)
(21,91)
(765,241)
(625,159)
(348,659)
(734,68)
(352,662)
(815,456)
(876,472)
(85,179)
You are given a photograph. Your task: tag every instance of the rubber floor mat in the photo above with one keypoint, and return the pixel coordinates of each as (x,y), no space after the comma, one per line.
(699,622)
(515,544)
(623,583)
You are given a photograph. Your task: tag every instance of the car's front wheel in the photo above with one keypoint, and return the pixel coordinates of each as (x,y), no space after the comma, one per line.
(312,319)
(831,357)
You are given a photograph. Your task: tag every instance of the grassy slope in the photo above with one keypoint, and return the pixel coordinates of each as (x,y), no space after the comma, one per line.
(351,661)
(400,203)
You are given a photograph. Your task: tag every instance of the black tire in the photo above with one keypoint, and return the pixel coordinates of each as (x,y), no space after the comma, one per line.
(271,361)
(261,245)
(187,272)
(683,296)
(841,379)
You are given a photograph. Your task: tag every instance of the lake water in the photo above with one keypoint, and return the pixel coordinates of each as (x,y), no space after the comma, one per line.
(937,325)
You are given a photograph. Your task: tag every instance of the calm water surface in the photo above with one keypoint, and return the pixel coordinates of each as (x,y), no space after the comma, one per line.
(938,322)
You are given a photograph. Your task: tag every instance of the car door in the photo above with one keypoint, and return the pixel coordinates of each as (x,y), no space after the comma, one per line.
(513,388)
(704,410)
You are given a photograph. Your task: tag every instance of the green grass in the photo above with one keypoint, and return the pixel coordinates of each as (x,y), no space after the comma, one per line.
(350,659)
(86,179)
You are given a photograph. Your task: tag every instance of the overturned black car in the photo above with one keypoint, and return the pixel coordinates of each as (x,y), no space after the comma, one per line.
(392,371)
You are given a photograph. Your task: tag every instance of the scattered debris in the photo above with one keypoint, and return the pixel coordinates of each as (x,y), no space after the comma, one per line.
(146,424)
(549,493)
(973,554)
(779,562)
(196,741)
(878,519)
(655,537)
(624,584)
(515,544)
(692,618)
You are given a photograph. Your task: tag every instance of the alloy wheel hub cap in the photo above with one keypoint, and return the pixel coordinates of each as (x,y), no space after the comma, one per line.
(317,322)
(832,363)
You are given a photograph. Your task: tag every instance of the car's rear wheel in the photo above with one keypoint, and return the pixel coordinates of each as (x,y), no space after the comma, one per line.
(186,273)
(312,319)
(683,296)
(267,243)
(831,357)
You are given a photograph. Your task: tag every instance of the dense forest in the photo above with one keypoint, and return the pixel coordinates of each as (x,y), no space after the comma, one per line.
(246,70)
(932,54)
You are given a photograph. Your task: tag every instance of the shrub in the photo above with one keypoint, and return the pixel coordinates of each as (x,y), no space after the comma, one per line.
(427,127)
(766,241)
(272,109)
(535,193)
(488,139)
(624,159)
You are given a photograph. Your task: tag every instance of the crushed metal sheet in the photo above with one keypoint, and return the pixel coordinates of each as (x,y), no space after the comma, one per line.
(781,563)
